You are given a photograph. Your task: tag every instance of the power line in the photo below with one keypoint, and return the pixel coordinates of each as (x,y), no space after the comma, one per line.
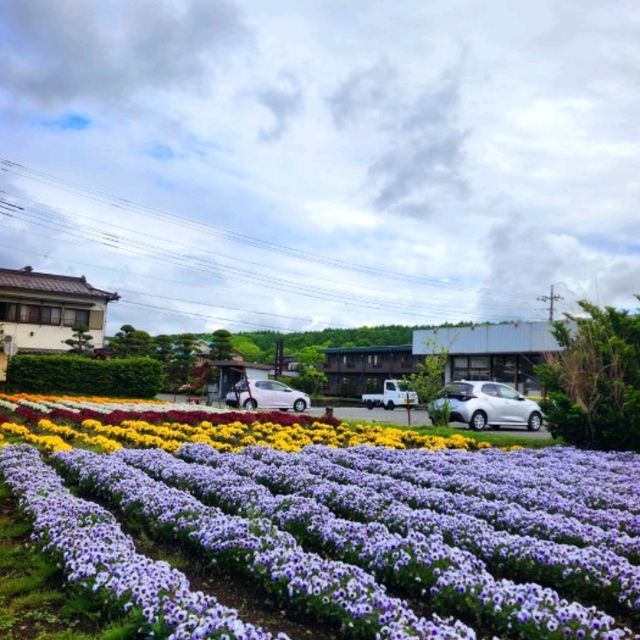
(96,195)
(108,237)
(129,247)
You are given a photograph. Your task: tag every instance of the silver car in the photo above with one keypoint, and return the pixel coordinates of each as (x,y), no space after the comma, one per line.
(481,403)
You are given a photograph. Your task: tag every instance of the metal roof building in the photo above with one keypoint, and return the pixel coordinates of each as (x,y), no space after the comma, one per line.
(516,337)
(505,352)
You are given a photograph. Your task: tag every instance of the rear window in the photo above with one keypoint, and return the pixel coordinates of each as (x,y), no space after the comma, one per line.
(455,389)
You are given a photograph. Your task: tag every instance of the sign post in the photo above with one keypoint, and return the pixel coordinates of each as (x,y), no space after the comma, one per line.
(279,363)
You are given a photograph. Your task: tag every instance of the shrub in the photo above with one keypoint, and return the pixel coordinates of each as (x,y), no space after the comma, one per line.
(594,383)
(126,377)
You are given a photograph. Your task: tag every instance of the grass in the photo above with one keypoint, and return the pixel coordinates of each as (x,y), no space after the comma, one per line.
(495,438)
(34,602)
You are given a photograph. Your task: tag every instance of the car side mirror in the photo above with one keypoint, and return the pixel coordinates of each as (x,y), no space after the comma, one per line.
(521,398)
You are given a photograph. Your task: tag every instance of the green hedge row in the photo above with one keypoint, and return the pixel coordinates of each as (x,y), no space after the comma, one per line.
(125,377)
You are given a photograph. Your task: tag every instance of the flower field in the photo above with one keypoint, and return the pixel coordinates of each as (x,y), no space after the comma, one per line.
(351,532)
(59,423)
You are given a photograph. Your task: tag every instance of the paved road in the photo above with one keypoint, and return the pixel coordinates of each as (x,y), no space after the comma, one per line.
(398,416)
(418,418)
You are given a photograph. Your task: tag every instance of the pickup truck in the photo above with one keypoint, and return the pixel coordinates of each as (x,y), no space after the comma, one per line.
(396,394)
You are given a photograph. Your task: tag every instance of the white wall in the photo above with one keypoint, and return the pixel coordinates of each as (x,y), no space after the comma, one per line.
(256,374)
(37,336)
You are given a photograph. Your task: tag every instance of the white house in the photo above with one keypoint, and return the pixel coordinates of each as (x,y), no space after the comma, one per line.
(38,311)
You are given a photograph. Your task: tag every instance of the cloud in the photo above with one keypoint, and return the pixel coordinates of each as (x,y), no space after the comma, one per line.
(418,162)
(284,103)
(365,91)
(361,135)
(525,258)
(56,52)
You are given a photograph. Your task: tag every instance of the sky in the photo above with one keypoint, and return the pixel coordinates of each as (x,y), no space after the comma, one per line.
(298,165)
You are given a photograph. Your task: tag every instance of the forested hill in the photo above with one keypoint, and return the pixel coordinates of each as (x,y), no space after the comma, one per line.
(259,346)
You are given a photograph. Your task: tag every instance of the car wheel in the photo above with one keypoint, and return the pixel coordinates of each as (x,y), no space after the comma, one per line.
(391,405)
(299,405)
(369,404)
(478,421)
(535,422)
(250,404)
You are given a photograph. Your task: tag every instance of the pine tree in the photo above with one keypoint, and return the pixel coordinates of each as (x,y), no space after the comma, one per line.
(81,341)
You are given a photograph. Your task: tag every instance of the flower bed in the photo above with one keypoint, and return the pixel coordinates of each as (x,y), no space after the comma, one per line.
(99,558)
(106,428)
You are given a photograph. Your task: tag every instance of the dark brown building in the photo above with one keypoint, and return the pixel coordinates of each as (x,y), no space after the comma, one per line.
(352,371)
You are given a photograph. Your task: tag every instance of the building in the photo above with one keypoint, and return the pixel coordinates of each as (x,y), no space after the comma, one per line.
(230,372)
(38,311)
(352,371)
(501,352)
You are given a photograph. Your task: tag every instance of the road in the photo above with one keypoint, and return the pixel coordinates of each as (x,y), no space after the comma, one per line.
(398,416)
(418,418)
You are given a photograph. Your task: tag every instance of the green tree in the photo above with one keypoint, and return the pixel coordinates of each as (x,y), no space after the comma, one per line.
(81,341)
(593,384)
(311,356)
(184,358)
(312,381)
(248,348)
(162,349)
(130,342)
(429,380)
(310,378)
(221,348)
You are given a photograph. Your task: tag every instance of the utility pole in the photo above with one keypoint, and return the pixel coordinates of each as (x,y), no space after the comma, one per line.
(550,299)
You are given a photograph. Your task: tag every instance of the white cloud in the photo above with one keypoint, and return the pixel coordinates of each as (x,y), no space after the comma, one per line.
(483,151)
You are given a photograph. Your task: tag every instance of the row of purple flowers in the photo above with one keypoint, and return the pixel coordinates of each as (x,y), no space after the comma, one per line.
(407,485)
(502,478)
(97,556)
(596,575)
(329,590)
(452,581)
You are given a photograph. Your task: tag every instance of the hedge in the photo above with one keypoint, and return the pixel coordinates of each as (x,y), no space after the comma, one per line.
(123,377)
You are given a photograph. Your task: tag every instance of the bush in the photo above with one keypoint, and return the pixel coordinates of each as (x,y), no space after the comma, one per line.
(594,383)
(125,377)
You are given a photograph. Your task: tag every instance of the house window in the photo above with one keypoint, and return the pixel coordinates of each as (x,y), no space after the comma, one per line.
(50,315)
(30,313)
(72,317)
(8,311)
(373,359)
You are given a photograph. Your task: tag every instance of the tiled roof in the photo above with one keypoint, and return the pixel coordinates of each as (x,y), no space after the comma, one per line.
(27,279)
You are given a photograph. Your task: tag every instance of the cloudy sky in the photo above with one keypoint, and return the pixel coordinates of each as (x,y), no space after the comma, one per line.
(298,165)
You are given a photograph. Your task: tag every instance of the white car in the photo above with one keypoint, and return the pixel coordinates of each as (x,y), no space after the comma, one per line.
(482,403)
(267,394)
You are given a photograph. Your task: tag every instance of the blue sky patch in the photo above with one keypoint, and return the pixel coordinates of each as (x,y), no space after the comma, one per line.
(162,152)
(68,121)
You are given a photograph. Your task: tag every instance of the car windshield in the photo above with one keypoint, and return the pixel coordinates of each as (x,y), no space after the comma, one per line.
(457,389)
